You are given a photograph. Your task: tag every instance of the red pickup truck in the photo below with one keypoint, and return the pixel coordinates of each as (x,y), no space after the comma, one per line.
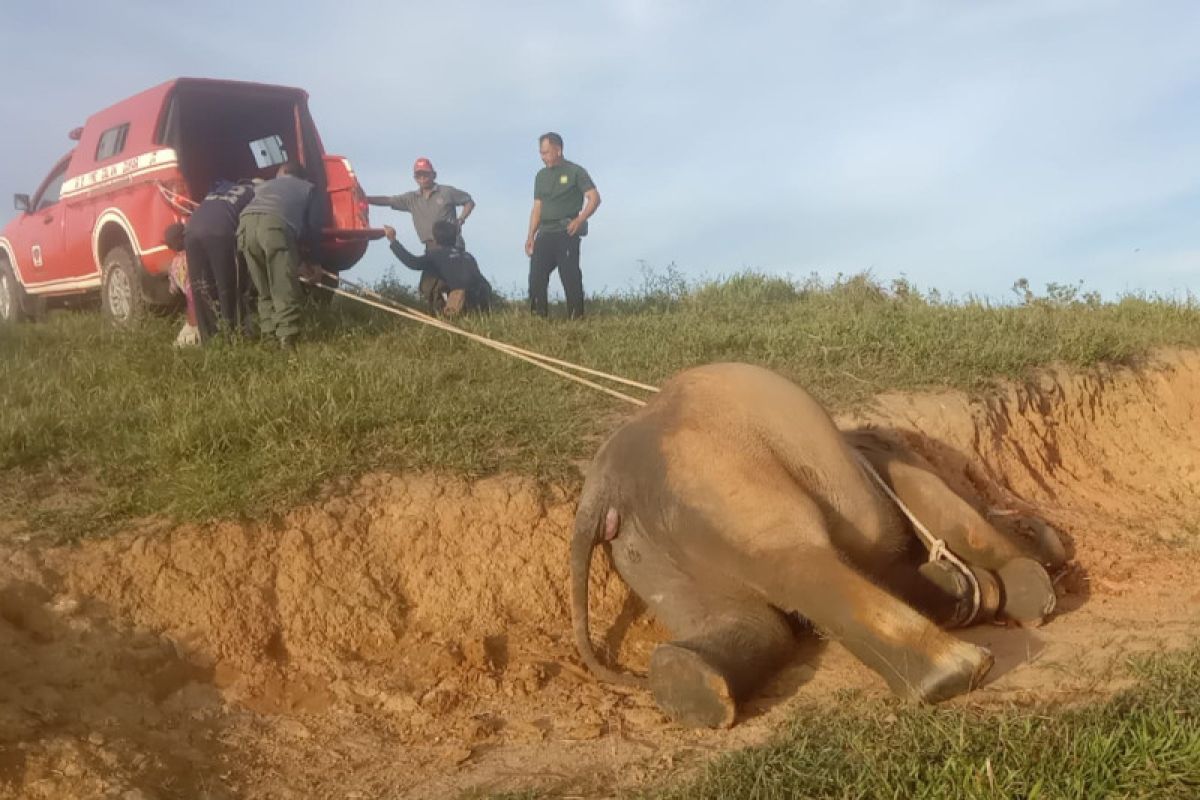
(95,225)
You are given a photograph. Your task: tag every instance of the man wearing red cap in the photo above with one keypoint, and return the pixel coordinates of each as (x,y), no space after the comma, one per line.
(429,203)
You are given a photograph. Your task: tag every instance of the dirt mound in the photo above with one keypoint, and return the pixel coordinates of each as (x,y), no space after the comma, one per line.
(409,635)
(431,606)
(347,579)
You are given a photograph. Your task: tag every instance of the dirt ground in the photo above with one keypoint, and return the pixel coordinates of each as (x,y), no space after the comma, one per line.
(407,636)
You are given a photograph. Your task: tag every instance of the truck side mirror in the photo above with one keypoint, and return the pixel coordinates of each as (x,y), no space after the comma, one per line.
(21,202)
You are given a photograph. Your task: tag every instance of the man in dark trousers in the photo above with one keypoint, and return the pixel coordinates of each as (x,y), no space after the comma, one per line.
(218,279)
(466,288)
(564,197)
(429,203)
(286,212)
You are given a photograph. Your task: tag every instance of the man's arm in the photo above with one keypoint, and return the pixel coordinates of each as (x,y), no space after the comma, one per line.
(414,262)
(535,219)
(591,201)
(397,202)
(467,208)
(464,200)
(314,218)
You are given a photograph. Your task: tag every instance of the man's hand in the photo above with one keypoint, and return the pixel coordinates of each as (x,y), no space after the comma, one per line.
(309,272)
(389,232)
(574,225)
(535,219)
(189,336)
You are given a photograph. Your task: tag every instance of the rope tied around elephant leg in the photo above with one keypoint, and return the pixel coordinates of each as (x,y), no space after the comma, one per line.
(938,551)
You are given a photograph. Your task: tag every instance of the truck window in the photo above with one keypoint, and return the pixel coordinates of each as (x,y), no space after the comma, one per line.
(112,142)
(52,187)
(268,151)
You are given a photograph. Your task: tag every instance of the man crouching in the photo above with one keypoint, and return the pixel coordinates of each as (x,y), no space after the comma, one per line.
(459,285)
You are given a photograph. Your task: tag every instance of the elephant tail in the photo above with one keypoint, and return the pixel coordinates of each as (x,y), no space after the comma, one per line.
(590,523)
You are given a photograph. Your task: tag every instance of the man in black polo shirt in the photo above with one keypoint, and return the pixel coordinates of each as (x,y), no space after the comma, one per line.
(455,269)
(218,278)
(564,197)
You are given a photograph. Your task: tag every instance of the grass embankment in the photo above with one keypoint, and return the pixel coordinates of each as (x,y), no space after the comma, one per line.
(100,425)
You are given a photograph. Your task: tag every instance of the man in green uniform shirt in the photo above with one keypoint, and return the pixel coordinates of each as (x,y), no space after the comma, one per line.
(564,197)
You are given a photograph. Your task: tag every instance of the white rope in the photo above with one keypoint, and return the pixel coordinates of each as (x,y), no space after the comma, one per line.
(177,201)
(938,551)
(428,318)
(417,316)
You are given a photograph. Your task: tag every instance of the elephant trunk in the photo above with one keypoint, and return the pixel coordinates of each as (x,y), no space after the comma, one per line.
(589,524)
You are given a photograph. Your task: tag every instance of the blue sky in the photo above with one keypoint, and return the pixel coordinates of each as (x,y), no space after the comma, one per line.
(961,144)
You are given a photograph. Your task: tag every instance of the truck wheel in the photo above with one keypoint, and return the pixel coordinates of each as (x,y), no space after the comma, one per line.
(12,296)
(121,290)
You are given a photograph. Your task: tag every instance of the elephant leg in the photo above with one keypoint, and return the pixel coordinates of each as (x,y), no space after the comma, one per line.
(699,678)
(917,658)
(943,512)
(725,645)
(1025,592)
(940,591)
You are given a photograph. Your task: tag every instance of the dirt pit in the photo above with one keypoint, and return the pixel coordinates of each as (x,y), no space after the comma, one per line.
(409,637)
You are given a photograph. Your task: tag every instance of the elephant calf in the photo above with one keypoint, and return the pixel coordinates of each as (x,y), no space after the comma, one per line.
(732,501)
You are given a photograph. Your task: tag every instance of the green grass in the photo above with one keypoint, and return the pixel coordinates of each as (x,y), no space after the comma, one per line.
(1143,743)
(101,425)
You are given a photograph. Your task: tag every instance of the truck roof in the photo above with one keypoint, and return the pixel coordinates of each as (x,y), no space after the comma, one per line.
(143,110)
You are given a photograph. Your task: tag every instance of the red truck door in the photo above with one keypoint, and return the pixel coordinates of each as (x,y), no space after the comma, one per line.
(39,239)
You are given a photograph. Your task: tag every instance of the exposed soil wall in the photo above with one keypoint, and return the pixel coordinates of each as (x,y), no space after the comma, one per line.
(348,578)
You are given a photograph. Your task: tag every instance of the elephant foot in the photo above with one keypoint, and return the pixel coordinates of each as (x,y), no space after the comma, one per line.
(689,689)
(957,671)
(1046,542)
(949,579)
(1028,592)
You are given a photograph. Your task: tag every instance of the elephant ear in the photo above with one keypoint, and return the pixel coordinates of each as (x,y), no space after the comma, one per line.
(612,524)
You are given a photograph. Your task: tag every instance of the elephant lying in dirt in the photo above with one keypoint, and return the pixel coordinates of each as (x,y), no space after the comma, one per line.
(731,502)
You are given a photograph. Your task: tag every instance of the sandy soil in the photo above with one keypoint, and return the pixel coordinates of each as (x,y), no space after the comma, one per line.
(408,636)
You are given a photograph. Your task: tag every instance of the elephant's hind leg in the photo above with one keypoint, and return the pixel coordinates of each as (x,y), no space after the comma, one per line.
(940,591)
(1026,594)
(914,656)
(725,645)
(699,678)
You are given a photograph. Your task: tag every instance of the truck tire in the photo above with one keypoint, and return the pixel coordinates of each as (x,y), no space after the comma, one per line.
(12,296)
(121,297)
